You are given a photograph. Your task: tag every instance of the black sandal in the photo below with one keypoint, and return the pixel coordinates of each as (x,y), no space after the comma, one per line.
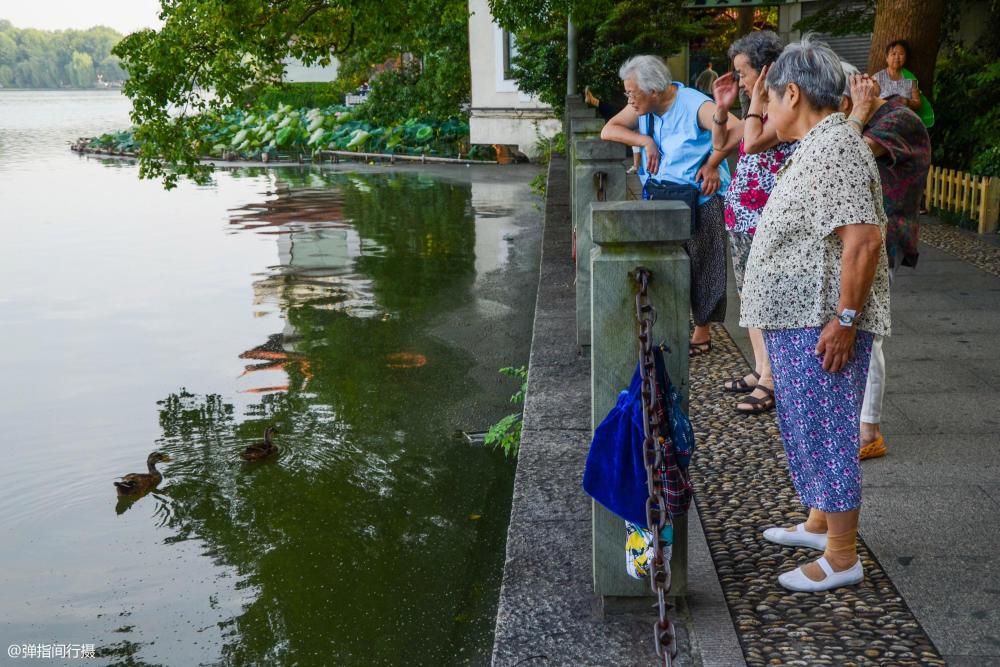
(698,349)
(740,386)
(758,404)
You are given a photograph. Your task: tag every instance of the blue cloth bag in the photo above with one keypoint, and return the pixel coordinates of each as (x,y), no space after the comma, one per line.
(615,473)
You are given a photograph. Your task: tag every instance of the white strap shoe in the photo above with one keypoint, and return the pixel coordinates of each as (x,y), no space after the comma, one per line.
(798,538)
(797,581)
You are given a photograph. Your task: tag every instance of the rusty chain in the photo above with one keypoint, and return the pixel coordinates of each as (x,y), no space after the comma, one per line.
(657,516)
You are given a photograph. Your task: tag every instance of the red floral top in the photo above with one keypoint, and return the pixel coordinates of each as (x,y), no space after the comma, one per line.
(752,184)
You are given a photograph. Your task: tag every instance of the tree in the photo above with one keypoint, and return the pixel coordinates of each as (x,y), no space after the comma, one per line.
(919,22)
(210,52)
(80,71)
(916,21)
(45,59)
(608,33)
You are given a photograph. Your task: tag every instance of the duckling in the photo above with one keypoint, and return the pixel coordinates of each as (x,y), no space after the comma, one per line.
(137,483)
(261,450)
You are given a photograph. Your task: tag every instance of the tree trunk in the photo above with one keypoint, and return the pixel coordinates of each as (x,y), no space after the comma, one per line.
(919,23)
(744,20)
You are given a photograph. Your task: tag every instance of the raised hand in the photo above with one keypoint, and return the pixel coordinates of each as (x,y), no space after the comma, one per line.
(725,90)
(758,96)
(864,96)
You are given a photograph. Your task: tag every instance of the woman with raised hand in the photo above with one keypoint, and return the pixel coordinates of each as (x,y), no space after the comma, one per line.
(761,155)
(672,123)
(817,285)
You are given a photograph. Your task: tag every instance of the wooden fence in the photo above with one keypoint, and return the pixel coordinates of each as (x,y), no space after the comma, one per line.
(978,197)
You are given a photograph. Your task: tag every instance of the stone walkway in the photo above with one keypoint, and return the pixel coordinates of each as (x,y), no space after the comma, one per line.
(930,525)
(931,515)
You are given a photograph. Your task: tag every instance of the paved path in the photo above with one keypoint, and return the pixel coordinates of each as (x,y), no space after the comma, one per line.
(930,525)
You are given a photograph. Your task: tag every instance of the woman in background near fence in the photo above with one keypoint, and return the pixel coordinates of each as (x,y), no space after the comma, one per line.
(892,81)
(817,284)
(761,155)
(902,149)
(672,123)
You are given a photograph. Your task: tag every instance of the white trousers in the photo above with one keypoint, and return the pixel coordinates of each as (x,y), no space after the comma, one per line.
(871,409)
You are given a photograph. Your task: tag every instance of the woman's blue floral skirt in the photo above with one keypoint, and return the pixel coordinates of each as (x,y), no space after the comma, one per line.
(818,413)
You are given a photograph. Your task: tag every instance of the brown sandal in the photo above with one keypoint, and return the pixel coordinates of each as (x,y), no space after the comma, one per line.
(758,404)
(698,349)
(740,386)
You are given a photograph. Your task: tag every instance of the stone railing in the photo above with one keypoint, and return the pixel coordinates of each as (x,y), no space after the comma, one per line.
(613,238)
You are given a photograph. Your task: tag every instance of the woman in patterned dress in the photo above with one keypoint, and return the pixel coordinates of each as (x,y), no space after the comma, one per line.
(898,140)
(761,155)
(817,285)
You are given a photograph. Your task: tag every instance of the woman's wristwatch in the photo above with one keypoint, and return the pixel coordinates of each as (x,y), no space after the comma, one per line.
(846,317)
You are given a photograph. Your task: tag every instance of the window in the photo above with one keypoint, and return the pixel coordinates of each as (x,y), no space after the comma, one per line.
(508,50)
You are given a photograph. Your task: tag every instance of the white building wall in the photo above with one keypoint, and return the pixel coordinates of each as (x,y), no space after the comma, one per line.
(500,113)
(296,72)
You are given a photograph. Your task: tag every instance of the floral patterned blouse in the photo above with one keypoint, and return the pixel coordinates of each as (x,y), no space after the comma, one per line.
(752,184)
(903,169)
(793,273)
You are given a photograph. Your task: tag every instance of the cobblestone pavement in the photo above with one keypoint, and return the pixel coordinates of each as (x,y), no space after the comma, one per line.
(742,485)
(981,251)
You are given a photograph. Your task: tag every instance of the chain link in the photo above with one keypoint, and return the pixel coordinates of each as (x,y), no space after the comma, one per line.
(657,516)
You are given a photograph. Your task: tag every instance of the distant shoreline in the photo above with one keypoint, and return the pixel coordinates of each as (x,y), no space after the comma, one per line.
(63,90)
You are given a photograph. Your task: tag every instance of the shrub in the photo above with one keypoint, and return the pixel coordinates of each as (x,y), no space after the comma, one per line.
(296,95)
(966,131)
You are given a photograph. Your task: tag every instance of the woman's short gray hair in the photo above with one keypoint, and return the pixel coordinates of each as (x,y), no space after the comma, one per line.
(761,48)
(814,68)
(849,71)
(650,73)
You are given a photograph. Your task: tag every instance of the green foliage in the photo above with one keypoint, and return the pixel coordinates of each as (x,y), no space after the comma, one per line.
(544,147)
(32,58)
(608,33)
(722,29)
(256,130)
(506,433)
(838,19)
(966,132)
(297,95)
(210,51)
(955,218)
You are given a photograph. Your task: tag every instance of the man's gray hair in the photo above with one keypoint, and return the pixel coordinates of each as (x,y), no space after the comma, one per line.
(849,71)
(761,48)
(650,73)
(814,68)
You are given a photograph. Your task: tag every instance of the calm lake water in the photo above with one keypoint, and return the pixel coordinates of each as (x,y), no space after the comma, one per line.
(363,312)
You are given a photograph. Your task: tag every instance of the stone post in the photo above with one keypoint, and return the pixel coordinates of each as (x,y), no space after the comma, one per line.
(583,124)
(591,158)
(627,235)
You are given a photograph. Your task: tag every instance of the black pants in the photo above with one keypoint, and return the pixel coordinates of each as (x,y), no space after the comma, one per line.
(707,250)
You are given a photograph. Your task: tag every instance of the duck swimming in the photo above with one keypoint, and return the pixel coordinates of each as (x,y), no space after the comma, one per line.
(137,483)
(261,450)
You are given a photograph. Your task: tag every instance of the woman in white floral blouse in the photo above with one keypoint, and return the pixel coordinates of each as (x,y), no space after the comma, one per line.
(817,284)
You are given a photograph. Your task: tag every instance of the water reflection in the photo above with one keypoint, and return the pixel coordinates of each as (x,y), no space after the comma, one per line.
(357,540)
(187,322)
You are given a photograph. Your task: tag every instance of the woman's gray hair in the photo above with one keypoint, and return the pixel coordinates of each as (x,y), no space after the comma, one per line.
(814,68)
(849,71)
(650,73)
(761,48)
